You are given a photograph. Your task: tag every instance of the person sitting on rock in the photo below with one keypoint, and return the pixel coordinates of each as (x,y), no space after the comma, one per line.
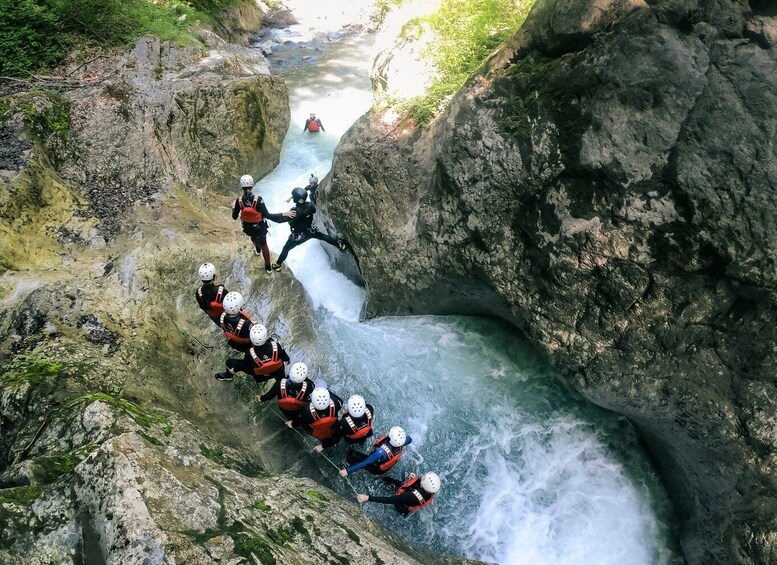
(209,296)
(264,360)
(292,392)
(411,495)
(236,325)
(253,214)
(302,228)
(385,453)
(319,416)
(313,124)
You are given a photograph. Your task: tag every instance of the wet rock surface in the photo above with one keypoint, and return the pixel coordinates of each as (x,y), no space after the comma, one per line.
(607,182)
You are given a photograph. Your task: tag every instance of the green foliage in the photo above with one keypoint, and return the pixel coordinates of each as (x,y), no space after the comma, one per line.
(383,7)
(38,34)
(4,105)
(30,37)
(48,119)
(259,505)
(53,467)
(249,546)
(143,418)
(33,367)
(467,32)
(20,495)
(314,494)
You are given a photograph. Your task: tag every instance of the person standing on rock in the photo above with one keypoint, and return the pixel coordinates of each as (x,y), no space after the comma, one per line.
(413,494)
(253,214)
(236,325)
(292,392)
(385,453)
(302,228)
(265,359)
(210,297)
(313,124)
(319,416)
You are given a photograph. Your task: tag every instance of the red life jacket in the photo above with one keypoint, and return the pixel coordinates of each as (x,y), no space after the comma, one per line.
(292,403)
(250,214)
(393,453)
(232,335)
(267,367)
(323,427)
(356,431)
(216,307)
(411,485)
(312,126)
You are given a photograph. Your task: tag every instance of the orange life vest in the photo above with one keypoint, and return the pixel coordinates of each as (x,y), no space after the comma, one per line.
(292,403)
(267,367)
(233,335)
(356,431)
(323,427)
(216,306)
(393,453)
(411,485)
(313,125)
(250,214)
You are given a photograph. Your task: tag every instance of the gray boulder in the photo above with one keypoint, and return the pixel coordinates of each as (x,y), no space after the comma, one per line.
(607,182)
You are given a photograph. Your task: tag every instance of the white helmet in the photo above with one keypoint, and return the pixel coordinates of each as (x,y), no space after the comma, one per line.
(233,302)
(430,482)
(298,372)
(207,272)
(319,398)
(356,406)
(397,436)
(258,334)
(247,181)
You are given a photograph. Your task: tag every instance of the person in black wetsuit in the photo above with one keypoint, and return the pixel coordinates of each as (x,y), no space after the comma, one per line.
(385,453)
(313,124)
(292,392)
(265,360)
(253,214)
(236,325)
(319,416)
(411,495)
(210,296)
(355,425)
(302,228)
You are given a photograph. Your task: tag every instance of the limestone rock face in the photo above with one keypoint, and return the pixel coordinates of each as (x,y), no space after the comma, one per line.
(161,114)
(608,182)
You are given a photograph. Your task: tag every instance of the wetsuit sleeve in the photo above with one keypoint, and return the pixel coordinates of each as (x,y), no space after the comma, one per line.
(277,218)
(236,209)
(320,124)
(405,499)
(283,355)
(378,456)
(307,124)
(274,391)
(199,299)
(408,441)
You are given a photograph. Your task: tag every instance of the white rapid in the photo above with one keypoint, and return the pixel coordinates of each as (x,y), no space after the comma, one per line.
(531,474)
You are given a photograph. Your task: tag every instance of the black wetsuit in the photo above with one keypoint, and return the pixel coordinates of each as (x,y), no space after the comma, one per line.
(312,189)
(207,294)
(343,429)
(402,502)
(303,419)
(256,231)
(293,390)
(302,229)
(264,353)
(230,323)
(311,120)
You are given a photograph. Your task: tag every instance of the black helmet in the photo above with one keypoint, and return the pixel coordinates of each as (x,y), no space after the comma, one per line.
(299,195)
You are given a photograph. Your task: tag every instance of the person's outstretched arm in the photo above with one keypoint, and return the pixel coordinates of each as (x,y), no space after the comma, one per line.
(236,209)
(378,456)
(274,391)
